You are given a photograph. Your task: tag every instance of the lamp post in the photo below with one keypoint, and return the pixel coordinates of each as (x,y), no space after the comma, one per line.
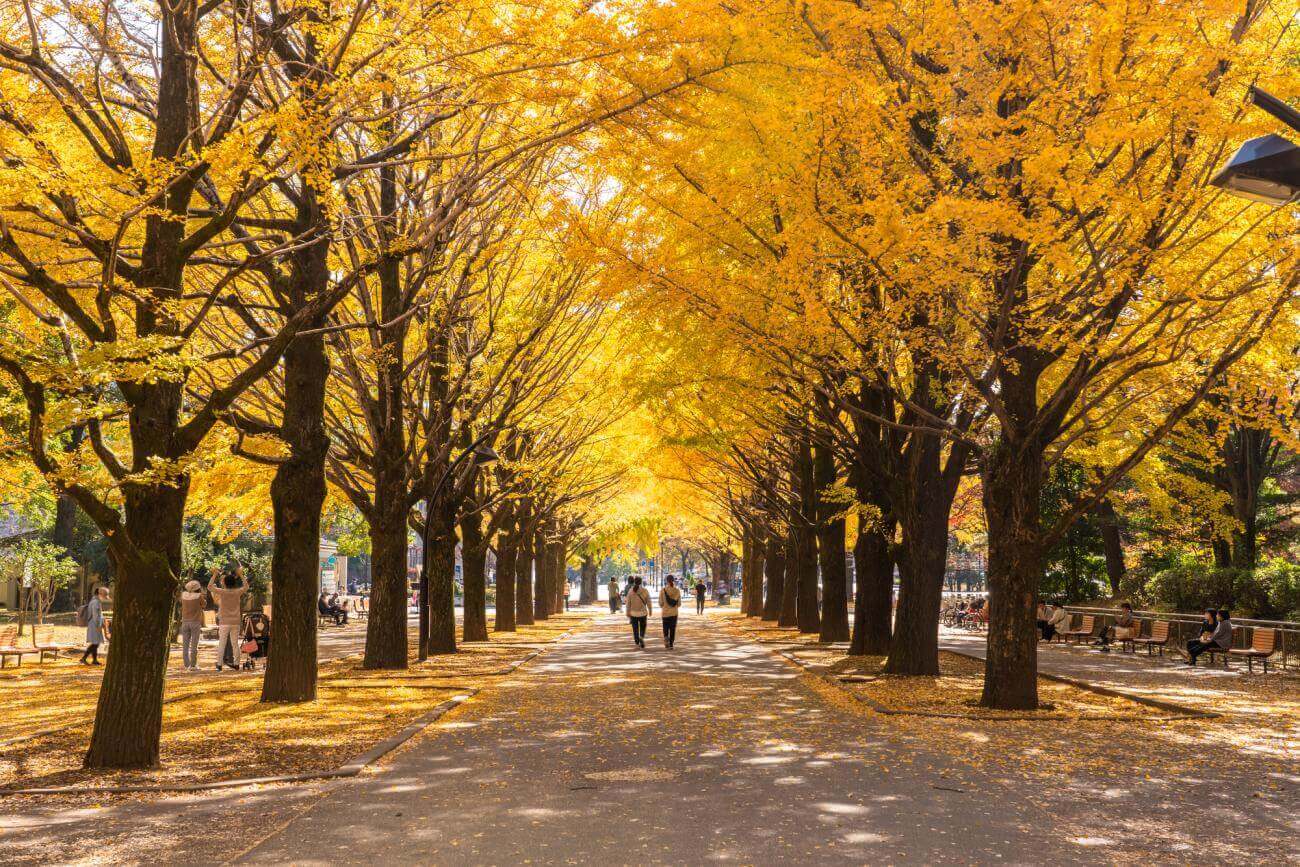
(479,453)
(1265,169)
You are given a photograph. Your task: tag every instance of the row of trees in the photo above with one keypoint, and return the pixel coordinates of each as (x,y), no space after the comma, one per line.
(338,239)
(954,249)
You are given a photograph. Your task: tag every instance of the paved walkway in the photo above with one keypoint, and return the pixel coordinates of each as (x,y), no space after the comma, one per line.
(718,751)
(715,751)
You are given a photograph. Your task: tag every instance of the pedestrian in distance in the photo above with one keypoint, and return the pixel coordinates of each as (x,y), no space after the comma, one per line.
(191,624)
(638,610)
(93,615)
(670,600)
(229,602)
(615,598)
(699,597)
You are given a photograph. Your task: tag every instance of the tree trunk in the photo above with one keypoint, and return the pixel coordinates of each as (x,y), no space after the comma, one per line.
(559,573)
(442,580)
(473,558)
(387,632)
(803,561)
(774,571)
(873,608)
(1108,522)
(542,594)
(788,618)
(590,572)
(752,591)
(1013,479)
(297,495)
(507,560)
(524,575)
(128,716)
(830,548)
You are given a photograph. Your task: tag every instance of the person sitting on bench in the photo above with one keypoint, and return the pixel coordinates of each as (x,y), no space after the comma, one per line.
(1221,638)
(1057,620)
(1125,628)
(326,608)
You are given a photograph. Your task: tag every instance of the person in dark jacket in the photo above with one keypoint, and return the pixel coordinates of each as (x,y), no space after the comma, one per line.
(1221,638)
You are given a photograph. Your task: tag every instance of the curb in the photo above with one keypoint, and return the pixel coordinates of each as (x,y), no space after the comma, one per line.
(350,768)
(1177,712)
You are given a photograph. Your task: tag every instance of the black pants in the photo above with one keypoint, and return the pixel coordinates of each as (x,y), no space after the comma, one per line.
(670,630)
(638,629)
(92,651)
(699,604)
(1196,647)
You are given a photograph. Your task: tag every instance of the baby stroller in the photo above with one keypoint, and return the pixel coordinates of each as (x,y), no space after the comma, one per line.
(256,639)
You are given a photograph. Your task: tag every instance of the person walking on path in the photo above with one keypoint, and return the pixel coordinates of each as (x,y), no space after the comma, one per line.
(699,597)
(670,600)
(191,624)
(229,614)
(615,598)
(94,616)
(638,610)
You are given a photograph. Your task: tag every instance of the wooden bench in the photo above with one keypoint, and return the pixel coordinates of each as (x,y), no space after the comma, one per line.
(1159,638)
(1135,631)
(1086,624)
(9,646)
(1263,644)
(49,645)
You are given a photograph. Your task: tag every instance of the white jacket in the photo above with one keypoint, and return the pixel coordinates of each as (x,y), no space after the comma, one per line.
(668,605)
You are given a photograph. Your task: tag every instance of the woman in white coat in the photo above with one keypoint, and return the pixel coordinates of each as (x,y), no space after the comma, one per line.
(670,601)
(638,610)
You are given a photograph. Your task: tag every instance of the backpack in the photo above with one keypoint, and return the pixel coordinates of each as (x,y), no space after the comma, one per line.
(83,615)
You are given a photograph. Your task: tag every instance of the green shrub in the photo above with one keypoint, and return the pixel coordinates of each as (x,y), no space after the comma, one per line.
(1281,582)
(1271,591)
(1191,586)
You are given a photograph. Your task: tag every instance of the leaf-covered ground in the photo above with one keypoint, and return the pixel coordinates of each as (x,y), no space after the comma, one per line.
(214,727)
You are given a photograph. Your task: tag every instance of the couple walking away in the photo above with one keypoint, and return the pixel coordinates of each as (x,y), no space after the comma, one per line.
(638,610)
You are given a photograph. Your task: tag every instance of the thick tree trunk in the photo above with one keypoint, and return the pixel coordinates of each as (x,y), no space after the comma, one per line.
(1013,479)
(873,608)
(803,560)
(751,593)
(722,566)
(442,581)
(128,716)
(387,633)
(788,618)
(524,576)
(590,571)
(830,548)
(297,495)
(507,560)
(542,595)
(746,571)
(1108,522)
(923,554)
(559,573)
(473,558)
(774,572)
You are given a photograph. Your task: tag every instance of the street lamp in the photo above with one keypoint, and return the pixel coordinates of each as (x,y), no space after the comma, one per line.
(1265,169)
(479,453)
